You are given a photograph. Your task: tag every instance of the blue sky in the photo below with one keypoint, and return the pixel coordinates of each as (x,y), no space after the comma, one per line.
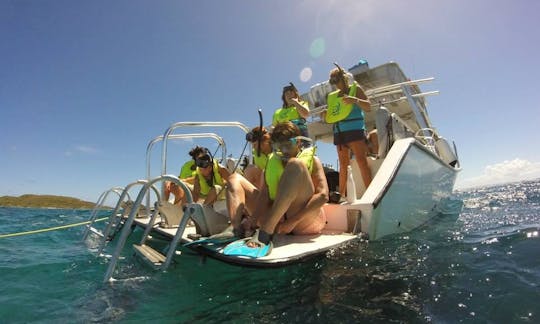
(85,85)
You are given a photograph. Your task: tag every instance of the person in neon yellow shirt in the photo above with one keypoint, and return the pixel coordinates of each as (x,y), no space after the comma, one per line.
(187,175)
(294,109)
(293,195)
(210,179)
(346,106)
(261,150)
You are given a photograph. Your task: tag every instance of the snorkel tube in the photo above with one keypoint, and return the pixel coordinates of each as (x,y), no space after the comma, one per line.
(339,68)
(259,139)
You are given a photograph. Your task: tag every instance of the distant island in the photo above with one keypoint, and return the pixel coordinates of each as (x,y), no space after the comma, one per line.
(45,201)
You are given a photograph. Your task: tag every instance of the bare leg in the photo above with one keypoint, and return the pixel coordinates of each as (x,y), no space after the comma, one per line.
(211,197)
(241,195)
(344,160)
(295,189)
(253,174)
(360,151)
(179,195)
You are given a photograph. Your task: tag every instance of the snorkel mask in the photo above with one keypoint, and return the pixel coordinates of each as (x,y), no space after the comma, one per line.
(204,160)
(289,148)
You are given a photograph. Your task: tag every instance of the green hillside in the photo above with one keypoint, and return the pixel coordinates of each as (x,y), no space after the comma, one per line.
(45,201)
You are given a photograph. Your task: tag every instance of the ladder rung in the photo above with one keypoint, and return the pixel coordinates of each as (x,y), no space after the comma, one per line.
(95,231)
(153,257)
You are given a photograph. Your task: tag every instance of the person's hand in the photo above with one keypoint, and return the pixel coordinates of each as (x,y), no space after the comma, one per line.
(348,100)
(295,100)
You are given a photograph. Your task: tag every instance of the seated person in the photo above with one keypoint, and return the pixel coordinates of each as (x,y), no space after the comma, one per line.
(187,174)
(210,179)
(290,201)
(261,149)
(294,109)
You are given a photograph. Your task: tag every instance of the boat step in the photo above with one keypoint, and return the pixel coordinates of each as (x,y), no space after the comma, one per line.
(95,231)
(148,254)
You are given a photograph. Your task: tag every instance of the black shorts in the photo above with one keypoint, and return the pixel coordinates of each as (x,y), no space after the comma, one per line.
(349,136)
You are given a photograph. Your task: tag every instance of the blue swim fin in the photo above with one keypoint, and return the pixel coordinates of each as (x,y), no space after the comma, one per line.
(212,240)
(240,247)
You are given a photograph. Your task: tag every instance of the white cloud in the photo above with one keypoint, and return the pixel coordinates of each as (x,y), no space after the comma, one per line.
(507,171)
(85,149)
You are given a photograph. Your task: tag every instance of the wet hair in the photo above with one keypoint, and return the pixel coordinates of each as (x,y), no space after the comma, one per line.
(284,131)
(256,133)
(197,151)
(289,87)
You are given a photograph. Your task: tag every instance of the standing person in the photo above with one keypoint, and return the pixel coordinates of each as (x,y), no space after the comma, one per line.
(290,201)
(345,111)
(294,109)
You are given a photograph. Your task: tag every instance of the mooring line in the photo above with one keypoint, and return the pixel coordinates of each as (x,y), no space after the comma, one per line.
(50,229)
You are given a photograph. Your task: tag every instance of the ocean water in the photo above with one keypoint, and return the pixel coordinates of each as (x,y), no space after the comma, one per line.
(476,265)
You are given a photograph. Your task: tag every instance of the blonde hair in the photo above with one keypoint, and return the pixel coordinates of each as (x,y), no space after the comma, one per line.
(336,72)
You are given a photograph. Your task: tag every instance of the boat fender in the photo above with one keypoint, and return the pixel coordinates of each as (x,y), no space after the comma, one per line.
(445,152)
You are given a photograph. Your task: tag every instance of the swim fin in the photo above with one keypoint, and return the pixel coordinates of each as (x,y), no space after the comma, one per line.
(240,247)
(224,237)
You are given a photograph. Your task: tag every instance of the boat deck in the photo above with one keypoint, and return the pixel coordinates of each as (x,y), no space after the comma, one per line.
(286,248)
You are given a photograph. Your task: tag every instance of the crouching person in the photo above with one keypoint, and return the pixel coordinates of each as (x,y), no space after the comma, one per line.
(293,195)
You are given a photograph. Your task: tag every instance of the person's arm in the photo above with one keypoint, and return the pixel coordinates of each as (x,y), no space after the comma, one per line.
(360,99)
(319,198)
(196,188)
(224,173)
(301,107)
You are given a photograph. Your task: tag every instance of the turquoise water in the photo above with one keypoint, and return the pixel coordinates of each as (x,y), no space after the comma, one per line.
(481,265)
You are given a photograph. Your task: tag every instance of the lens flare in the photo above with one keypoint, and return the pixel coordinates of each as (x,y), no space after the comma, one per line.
(317,47)
(305,74)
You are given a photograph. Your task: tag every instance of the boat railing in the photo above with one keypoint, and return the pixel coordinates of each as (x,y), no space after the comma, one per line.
(427,136)
(377,95)
(97,207)
(127,228)
(116,218)
(174,126)
(219,140)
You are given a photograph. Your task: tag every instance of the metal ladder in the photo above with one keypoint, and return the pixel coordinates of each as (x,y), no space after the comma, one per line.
(117,219)
(156,259)
(98,206)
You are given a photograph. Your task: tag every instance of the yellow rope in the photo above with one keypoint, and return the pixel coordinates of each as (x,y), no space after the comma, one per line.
(50,229)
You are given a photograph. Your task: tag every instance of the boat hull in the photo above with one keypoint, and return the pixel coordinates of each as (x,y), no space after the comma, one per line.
(407,190)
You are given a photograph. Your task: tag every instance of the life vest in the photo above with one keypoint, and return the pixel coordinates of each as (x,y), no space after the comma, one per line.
(286,114)
(337,110)
(217,180)
(274,169)
(187,170)
(260,161)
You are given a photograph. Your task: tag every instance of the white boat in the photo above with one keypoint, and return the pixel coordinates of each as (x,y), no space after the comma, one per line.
(413,172)
(415,169)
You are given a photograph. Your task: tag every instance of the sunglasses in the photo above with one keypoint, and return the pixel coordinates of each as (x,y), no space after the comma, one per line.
(254,136)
